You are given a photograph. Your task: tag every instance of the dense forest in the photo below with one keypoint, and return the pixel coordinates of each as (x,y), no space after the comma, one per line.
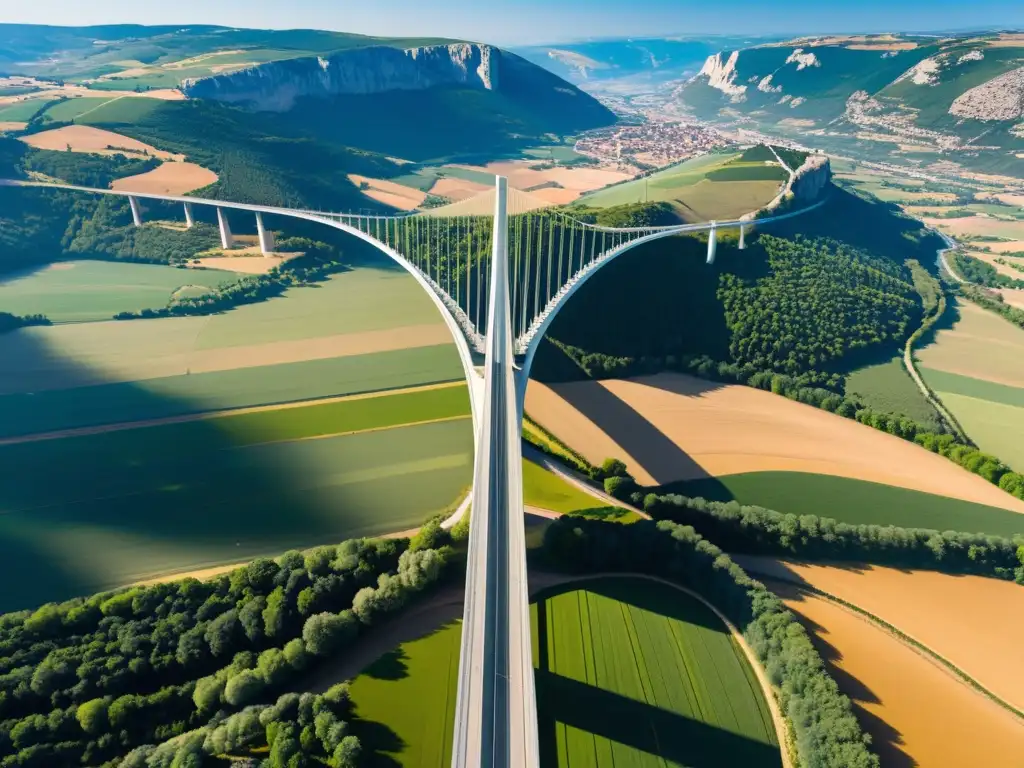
(810,297)
(86,681)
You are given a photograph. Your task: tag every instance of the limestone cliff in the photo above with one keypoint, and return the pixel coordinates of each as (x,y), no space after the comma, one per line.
(275,86)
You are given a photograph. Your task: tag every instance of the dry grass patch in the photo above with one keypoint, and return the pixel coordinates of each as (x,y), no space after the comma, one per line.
(388,192)
(1006,246)
(672,427)
(175,178)
(981,345)
(979,225)
(1013,296)
(256,264)
(11,126)
(917,712)
(976,623)
(457,189)
(85,138)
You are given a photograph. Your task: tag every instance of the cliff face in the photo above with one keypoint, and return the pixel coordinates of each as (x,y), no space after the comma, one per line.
(811,178)
(275,86)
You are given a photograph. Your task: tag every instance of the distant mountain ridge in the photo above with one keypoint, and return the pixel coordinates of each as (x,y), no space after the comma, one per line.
(922,98)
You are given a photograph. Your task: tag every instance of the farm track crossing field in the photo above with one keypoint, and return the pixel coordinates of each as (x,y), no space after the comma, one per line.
(77,291)
(916,711)
(136,503)
(632,672)
(671,428)
(972,621)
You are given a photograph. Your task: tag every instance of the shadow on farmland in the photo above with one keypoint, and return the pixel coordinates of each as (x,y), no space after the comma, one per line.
(654,451)
(390,666)
(563,701)
(91,512)
(887,741)
(674,737)
(376,740)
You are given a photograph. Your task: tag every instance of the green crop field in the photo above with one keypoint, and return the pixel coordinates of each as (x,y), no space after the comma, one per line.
(559,153)
(126,111)
(633,672)
(854,501)
(630,672)
(992,414)
(22,111)
(76,291)
(72,108)
(887,387)
(93,404)
(136,503)
(546,490)
(690,187)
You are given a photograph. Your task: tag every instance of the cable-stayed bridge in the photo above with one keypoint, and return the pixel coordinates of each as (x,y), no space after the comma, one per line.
(498,267)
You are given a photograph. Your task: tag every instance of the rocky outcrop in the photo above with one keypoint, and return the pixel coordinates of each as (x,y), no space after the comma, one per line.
(1001,98)
(811,178)
(721,75)
(276,85)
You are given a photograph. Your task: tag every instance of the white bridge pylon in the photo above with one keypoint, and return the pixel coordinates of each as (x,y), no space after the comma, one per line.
(498,268)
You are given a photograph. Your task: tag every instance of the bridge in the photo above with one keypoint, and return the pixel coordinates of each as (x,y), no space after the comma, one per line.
(498,268)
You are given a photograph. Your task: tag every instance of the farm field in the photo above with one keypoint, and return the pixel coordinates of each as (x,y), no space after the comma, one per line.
(917,712)
(67,111)
(85,138)
(977,370)
(628,669)
(670,428)
(888,387)
(170,178)
(226,489)
(77,291)
(315,341)
(976,225)
(388,192)
(972,621)
(22,111)
(636,672)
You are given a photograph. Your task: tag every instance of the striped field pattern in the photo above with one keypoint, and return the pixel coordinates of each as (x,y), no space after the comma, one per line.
(633,672)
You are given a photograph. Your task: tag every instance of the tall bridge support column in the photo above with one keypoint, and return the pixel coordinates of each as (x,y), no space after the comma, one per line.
(190,220)
(496,708)
(226,238)
(712,243)
(133,202)
(265,235)
(743,237)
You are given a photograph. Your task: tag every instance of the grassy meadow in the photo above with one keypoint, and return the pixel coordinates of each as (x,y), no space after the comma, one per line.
(629,672)
(86,290)
(136,503)
(856,502)
(887,387)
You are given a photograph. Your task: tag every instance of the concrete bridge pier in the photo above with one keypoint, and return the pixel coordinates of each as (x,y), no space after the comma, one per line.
(743,237)
(265,235)
(712,243)
(189,218)
(136,211)
(226,239)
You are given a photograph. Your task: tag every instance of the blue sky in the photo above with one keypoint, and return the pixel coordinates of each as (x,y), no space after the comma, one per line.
(535,21)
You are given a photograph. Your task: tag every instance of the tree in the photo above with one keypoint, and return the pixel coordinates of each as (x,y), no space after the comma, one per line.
(324,633)
(272,666)
(243,688)
(208,693)
(222,633)
(295,654)
(250,616)
(276,613)
(347,753)
(92,716)
(260,574)
(614,468)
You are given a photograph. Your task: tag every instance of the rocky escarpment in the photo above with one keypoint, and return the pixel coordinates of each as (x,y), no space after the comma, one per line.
(275,86)
(1001,98)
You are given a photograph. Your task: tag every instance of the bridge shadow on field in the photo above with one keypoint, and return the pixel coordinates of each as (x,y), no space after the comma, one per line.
(887,741)
(660,456)
(603,714)
(85,513)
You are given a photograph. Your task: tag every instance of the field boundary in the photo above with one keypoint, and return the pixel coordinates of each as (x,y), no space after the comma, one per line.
(351,432)
(909,640)
(186,418)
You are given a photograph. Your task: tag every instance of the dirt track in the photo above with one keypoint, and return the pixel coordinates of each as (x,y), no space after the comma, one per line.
(673,427)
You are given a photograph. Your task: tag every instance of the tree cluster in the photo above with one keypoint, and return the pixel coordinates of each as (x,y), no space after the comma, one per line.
(982,273)
(993,302)
(295,732)
(756,530)
(826,730)
(9,322)
(84,681)
(85,169)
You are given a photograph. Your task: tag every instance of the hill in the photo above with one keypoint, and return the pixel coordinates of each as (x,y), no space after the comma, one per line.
(915,99)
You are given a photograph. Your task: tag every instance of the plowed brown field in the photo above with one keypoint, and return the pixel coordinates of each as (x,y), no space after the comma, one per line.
(672,427)
(916,711)
(168,179)
(974,622)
